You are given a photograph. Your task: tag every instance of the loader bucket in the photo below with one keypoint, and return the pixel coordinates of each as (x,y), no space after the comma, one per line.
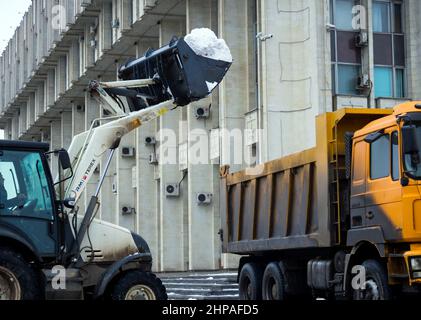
(180,74)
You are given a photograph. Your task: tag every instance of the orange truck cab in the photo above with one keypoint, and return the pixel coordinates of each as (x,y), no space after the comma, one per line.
(385,199)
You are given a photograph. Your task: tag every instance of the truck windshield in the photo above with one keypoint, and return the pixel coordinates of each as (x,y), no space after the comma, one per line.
(413,164)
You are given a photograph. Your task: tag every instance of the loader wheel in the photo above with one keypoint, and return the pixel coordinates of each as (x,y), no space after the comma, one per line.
(139,285)
(376,284)
(250,282)
(273,287)
(18,281)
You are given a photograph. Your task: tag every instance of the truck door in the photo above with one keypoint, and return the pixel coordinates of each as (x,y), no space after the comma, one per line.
(26,200)
(359,184)
(384,191)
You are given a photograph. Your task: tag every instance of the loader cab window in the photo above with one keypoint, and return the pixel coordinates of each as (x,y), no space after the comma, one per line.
(25,190)
(380,158)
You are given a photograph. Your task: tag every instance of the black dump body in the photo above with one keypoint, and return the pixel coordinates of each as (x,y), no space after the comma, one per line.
(179,73)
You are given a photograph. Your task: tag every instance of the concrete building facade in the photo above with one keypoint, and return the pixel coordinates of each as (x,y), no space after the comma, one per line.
(293,60)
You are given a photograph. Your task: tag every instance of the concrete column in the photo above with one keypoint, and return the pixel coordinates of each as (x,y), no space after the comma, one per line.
(203,220)
(78,117)
(31,108)
(147,213)
(105,30)
(413,43)
(233,94)
(66,129)
(172,240)
(22,120)
(234,89)
(39,101)
(60,76)
(126,197)
(55,143)
(291,72)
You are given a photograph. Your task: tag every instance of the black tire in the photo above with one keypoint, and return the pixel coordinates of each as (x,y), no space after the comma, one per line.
(377,287)
(138,285)
(14,267)
(250,282)
(274,282)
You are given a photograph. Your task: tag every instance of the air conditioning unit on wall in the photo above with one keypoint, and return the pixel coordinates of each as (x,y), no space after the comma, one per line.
(149,4)
(364,82)
(361,39)
(204,198)
(172,190)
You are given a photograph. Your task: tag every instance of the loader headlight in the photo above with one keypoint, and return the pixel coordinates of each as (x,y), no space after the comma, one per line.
(416,267)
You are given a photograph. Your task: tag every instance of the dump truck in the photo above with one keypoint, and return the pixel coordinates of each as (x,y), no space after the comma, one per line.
(50,250)
(338,221)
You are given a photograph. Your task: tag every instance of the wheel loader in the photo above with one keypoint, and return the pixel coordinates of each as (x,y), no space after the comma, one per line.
(49,250)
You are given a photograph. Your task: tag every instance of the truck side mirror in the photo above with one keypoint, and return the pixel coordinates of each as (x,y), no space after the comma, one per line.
(64,160)
(410,140)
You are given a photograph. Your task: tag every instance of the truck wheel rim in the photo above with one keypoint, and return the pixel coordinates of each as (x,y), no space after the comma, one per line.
(9,285)
(248,289)
(140,292)
(273,289)
(371,291)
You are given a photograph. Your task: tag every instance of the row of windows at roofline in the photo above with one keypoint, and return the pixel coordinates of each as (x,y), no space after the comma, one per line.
(389,49)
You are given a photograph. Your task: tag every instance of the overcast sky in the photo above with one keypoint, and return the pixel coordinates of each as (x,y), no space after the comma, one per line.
(11,14)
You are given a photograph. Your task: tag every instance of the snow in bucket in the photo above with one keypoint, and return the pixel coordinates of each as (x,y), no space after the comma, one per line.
(205,43)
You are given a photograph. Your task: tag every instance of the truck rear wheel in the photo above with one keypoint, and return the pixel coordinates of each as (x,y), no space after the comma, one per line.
(18,281)
(139,285)
(376,284)
(250,282)
(273,287)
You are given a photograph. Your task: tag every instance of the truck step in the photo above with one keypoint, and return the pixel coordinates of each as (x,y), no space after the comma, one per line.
(201,285)
(399,276)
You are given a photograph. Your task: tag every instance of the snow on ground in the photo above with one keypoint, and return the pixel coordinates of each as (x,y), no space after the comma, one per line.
(205,43)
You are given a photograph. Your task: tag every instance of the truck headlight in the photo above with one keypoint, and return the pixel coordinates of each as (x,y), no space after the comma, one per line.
(416,267)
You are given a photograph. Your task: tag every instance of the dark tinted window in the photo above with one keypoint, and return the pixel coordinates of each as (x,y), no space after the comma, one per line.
(383,49)
(398,28)
(380,158)
(347,51)
(395,156)
(399,50)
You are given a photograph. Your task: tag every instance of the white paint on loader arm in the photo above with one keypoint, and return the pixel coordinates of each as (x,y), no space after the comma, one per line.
(88,148)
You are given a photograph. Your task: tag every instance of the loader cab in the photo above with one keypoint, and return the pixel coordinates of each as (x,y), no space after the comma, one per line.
(28,212)
(386,175)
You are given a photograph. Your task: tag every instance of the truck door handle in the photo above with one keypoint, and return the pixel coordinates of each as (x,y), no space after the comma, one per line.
(370,215)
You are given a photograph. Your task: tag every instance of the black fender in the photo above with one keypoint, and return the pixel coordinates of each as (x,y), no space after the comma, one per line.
(136,260)
(378,248)
(18,238)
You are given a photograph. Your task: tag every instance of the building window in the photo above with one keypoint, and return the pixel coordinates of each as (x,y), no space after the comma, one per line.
(346,56)
(389,49)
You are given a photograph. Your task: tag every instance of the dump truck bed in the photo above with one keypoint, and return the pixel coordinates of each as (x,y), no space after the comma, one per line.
(293,202)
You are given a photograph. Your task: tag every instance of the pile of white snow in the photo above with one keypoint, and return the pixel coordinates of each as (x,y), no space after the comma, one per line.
(205,43)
